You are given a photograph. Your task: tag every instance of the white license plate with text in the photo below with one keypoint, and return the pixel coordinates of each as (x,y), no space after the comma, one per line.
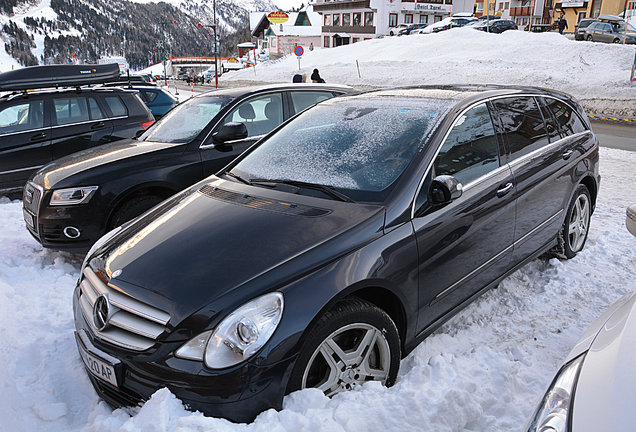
(98,367)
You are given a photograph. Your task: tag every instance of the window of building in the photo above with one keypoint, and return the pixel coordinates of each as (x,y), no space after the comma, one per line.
(580,16)
(336,20)
(408,19)
(327,19)
(367,38)
(392,20)
(346,19)
(423,19)
(357,19)
(273,42)
(449,2)
(507,5)
(595,10)
(437,18)
(325,43)
(368,18)
(356,40)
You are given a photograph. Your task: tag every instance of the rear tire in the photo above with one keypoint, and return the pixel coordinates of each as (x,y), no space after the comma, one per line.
(589,38)
(617,40)
(353,342)
(132,208)
(576,226)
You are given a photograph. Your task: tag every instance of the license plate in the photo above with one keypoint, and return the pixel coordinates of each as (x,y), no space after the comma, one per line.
(98,367)
(28,218)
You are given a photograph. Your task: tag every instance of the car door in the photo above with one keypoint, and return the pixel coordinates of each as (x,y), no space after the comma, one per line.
(78,123)
(539,159)
(466,243)
(260,114)
(25,137)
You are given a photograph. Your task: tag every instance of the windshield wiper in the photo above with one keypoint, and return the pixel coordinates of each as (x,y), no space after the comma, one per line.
(238,177)
(329,190)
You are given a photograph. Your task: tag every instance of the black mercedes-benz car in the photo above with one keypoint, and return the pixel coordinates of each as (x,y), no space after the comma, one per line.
(63,116)
(73,201)
(324,254)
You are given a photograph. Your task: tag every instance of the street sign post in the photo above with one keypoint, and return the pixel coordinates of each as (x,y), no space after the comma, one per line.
(633,76)
(299,51)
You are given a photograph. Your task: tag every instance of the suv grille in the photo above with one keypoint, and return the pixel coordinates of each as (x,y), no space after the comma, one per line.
(120,320)
(31,197)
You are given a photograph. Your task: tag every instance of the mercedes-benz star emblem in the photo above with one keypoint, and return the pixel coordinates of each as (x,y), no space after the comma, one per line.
(101,311)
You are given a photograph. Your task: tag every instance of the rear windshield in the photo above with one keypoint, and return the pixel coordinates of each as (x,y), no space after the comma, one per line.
(184,122)
(361,146)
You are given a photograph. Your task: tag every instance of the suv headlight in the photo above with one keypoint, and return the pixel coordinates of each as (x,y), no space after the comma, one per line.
(72,196)
(553,414)
(239,336)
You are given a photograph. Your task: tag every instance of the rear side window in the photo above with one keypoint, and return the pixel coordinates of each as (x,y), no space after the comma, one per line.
(96,111)
(522,124)
(470,149)
(71,110)
(304,99)
(117,107)
(22,117)
(567,120)
(149,96)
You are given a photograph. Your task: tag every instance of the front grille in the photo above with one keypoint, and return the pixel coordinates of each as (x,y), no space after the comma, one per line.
(118,397)
(129,323)
(31,198)
(51,233)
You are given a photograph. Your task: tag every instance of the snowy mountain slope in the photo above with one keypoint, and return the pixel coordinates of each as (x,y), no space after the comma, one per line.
(53,31)
(482,371)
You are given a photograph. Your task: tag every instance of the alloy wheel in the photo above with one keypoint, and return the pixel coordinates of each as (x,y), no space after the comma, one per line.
(579,223)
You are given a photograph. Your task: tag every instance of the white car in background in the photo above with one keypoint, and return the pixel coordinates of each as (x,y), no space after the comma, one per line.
(595,389)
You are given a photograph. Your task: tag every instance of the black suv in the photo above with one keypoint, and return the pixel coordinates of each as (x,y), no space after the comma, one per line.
(37,127)
(497,26)
(73,201)
(326,252)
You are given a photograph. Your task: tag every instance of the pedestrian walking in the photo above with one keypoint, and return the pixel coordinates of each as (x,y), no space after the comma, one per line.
(563,24)
(316,78)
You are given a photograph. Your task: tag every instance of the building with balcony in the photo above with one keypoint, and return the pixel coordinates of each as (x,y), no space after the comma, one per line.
(350,21)
(524,13)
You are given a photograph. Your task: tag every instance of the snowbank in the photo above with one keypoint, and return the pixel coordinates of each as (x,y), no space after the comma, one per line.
(595,73)
(483,371)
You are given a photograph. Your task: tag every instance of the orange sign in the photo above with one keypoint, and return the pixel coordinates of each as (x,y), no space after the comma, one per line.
(232,60)
(278,17)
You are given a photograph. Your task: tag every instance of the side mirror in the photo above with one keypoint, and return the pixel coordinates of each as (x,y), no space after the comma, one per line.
(630,220)
(445,189)
(229,132)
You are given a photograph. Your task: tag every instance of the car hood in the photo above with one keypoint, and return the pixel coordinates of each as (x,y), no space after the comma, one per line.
(52,174)
(219,236)
(606,388)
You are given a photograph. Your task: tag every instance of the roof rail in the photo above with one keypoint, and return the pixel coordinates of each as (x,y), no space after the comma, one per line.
(36,77)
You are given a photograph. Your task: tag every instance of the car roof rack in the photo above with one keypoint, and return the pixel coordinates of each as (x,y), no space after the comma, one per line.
(38,77)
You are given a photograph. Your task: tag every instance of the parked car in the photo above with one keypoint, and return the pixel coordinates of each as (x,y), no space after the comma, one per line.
(39,126)
(158,101)
(448,23)
(595,385)
(331,248)
(395,30)
(610,29)
(72,202)
(579,29)
(413,28)
(496,26)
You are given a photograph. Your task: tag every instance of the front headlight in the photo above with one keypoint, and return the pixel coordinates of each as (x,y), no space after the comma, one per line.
(72,196)
(553,413)
(239,336)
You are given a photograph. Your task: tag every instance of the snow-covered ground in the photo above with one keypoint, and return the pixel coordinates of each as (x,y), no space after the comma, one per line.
(595,73)
(482,371)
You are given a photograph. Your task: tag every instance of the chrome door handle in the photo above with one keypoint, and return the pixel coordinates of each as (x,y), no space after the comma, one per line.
(504,190)
(566,154)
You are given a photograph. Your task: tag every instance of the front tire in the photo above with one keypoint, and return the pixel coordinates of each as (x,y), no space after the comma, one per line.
(352,343)
(133,208)
(589,38)
(573,235)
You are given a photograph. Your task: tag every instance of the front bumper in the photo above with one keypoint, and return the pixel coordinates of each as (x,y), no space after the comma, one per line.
(50,223)
(238,394)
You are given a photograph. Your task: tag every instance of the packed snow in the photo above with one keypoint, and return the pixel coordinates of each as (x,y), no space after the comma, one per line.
(482,371)
(595,73)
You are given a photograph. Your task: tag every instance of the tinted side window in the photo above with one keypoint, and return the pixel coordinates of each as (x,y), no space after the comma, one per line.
(260,114)
(96,111)
(149,96)
(522,123)
(304,99)
(470,149)
(567,120)
(71,110)
(22,117)
(117,107)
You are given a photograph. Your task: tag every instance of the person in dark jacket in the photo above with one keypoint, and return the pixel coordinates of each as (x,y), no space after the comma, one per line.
(315,77)
(563,24)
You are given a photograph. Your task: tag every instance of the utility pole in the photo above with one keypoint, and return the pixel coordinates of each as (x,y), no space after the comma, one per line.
(216,70)
(163,42)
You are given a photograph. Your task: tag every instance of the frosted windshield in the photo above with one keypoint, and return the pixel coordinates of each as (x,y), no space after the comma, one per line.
(184,122)
(355,144)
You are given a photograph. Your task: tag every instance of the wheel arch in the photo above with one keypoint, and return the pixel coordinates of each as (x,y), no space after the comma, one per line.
(161,190)
(589,182)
